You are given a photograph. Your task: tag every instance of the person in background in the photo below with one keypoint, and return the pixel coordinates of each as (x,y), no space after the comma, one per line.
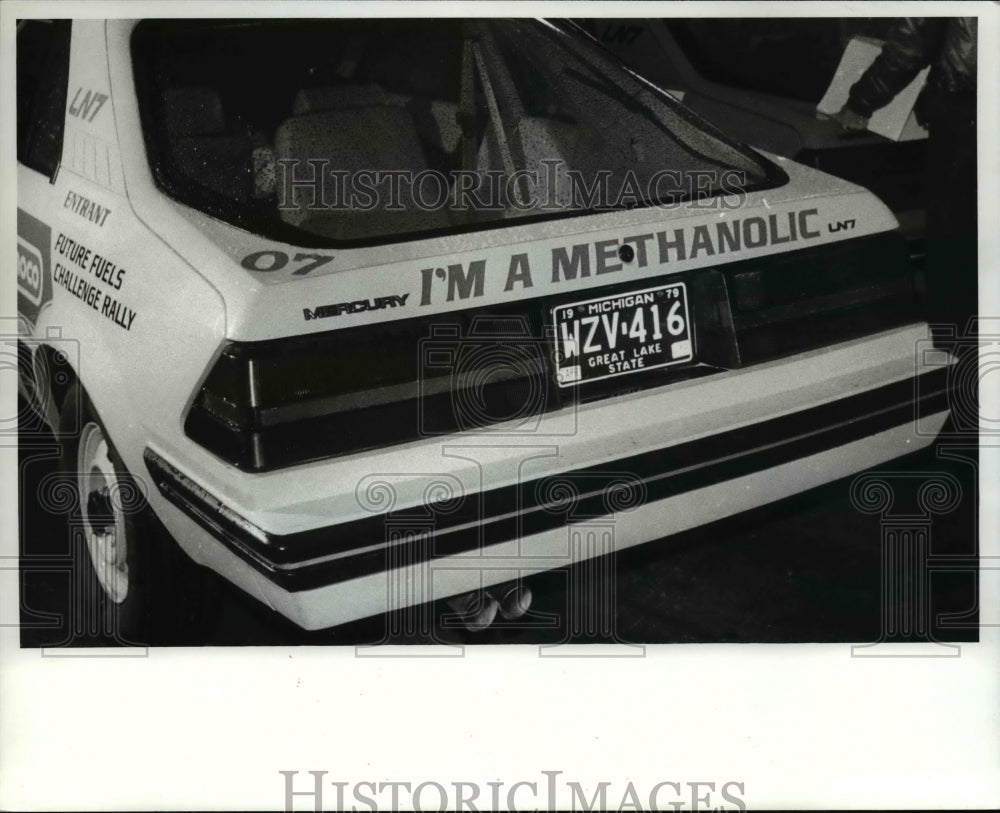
(947,108)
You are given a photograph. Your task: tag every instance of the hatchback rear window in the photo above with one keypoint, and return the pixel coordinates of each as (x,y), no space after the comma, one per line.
(333,131)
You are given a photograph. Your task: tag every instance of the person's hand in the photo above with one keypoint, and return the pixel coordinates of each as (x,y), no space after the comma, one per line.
(850,121)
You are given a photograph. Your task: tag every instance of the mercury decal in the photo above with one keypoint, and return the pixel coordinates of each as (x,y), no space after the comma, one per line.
(357,306)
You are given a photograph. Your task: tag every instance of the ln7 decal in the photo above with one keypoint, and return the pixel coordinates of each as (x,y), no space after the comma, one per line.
(87,107)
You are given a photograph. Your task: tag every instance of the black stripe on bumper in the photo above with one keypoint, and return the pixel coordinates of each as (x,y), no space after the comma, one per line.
(486,518)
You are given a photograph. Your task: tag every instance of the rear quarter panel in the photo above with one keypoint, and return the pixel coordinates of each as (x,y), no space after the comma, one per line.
(137,323)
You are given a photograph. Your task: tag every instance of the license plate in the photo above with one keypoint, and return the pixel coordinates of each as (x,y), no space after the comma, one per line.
(625,333)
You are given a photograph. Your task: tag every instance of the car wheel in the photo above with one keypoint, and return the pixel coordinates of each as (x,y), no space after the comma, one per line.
(111,591)
(131,583)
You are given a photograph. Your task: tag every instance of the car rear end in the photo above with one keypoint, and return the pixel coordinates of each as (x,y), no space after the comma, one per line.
(422,402)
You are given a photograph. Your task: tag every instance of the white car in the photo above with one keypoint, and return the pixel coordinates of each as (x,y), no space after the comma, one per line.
(371,313)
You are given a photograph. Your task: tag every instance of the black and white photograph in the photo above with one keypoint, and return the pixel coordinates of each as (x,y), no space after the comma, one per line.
(500,374)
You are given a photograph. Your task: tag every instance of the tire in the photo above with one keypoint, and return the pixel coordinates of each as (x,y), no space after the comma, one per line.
(131,583)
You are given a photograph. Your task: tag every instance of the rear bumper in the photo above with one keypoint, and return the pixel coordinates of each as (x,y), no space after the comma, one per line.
(785,427)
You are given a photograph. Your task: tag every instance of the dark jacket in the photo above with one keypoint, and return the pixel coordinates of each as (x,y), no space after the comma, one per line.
(948,45)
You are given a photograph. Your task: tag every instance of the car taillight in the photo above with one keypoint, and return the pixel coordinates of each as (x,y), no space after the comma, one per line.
(845,290)
(271,404)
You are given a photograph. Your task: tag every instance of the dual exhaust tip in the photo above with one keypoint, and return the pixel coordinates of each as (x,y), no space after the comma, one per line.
(478,609)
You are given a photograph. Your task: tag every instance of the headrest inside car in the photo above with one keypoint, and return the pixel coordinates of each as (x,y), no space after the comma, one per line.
(339,97)
(193,111)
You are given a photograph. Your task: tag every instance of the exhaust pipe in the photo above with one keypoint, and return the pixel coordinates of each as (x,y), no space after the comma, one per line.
(478,609)
(514,599)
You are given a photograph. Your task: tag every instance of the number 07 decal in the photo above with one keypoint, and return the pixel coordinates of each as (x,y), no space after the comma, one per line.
(277,260)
